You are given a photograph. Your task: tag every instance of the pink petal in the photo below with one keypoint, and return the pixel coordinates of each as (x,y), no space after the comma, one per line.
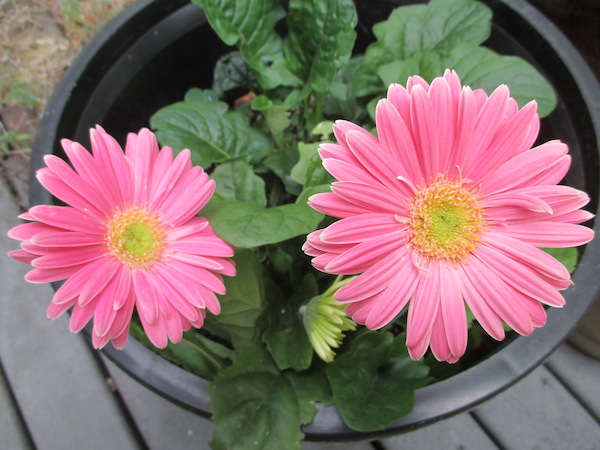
(142,151)
(98,281)
(361,256)
(444,107)
(66,218)
(374,159)
(26,231)
(439,339)
(22,256)
(73,286)
(524,168)
(345,171)
(110,154)
(70,256)
(395,136)
(361,228)
(549,234)
(389,302)
(519,276)
(93,173)
(424,130)
(373,280)
(145,298)
(370,197)
(528,255)
(206,278)
(61,238)
(80,316)
(52,274)
(423,308)
(506,144)
(485,315)
(332,205)
(452,310)
(493,289)
(55,310)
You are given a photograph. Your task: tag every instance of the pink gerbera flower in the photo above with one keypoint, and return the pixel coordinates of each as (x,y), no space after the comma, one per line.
(130,237)
(447,207)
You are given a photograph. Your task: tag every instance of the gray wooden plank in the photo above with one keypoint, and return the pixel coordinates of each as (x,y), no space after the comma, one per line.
(56,382)
(538,412)
(14,436)
(163,424)
(580,373)
(458,432)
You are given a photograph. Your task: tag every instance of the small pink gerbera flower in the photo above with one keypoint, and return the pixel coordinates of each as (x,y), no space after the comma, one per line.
(447,207)
(130,237)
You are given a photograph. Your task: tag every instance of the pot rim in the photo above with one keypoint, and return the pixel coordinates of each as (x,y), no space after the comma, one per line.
(434,402)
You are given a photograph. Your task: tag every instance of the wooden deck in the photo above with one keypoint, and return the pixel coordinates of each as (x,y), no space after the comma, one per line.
(58,393)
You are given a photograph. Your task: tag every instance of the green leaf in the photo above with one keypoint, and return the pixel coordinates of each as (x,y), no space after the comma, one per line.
(320,40)
(428,65)
(285,338)
(281,164)
(236,180)
(311,386)
(308,156)
(210,131)
(243,302)
(231,72)
(483,68)
(201,95)
(374,382)
(195,353)
(277,117)
(440,25)
(567,256)
(245,225)
(257,406)
(250,24)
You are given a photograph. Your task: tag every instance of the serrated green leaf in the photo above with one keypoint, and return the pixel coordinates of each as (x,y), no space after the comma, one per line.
(285,336)
(373,383)
(243,303)
(210,131)
(568,256)
(250,24)
(320,40)
(256,406)
(247,226)
(231,72)
(236,180)
(484,68)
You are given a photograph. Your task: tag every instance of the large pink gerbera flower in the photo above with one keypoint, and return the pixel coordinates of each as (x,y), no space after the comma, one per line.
(446,207)
(130,237)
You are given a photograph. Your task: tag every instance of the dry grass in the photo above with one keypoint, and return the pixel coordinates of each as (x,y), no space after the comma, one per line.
(38,40)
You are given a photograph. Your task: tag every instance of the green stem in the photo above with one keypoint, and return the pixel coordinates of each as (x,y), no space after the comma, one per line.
(203,353)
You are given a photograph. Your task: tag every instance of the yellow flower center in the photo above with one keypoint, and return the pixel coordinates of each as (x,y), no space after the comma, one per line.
(445,221)
(135,237)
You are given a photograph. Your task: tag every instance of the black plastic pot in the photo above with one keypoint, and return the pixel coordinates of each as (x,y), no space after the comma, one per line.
(155,50)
